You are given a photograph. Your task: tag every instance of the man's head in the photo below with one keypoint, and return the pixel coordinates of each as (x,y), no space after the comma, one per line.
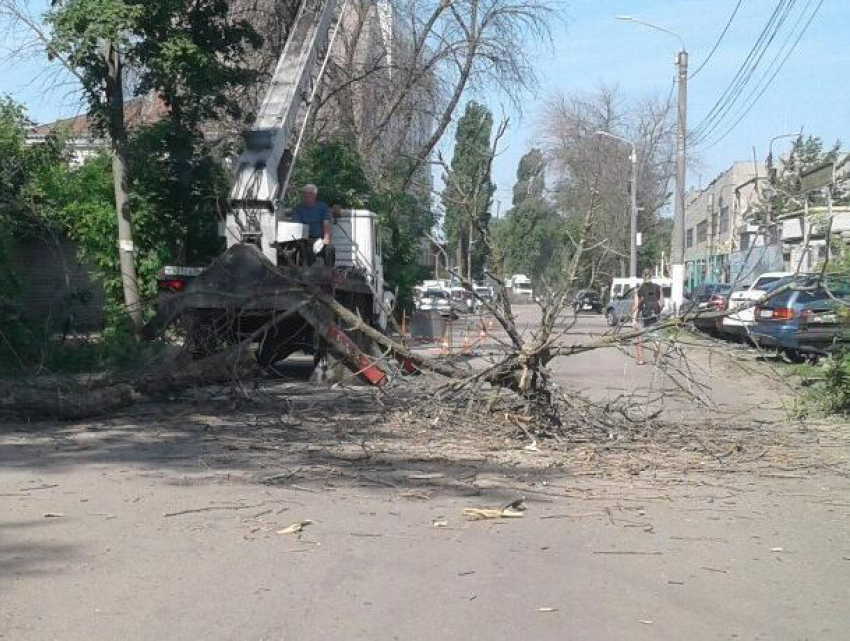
(308,194)
(647,273)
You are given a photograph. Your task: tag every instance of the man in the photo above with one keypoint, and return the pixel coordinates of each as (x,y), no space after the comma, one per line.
(317,216)
(646,310)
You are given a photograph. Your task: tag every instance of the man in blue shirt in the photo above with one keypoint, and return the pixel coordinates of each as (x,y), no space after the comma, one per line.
(317,216)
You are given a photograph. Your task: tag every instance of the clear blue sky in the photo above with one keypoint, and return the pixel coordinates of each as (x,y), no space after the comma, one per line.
(590,48)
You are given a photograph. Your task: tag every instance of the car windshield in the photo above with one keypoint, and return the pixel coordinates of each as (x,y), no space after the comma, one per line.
(435,294)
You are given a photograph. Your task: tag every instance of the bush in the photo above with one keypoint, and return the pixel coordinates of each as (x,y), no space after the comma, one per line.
(830,392)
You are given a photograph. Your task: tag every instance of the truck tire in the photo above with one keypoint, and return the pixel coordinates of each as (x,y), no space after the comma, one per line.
(283,341)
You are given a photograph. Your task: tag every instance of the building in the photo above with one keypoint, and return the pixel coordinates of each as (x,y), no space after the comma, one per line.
(84,140)
(713,224)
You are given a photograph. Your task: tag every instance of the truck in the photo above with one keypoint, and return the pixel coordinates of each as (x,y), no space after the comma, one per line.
(265,279)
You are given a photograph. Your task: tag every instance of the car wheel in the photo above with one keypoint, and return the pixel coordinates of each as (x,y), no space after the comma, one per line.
(611,317)
(795,356)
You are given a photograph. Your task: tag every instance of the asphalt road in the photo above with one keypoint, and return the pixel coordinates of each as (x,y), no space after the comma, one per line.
(145,526)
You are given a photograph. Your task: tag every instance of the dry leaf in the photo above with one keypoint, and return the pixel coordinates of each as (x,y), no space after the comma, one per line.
(547,609)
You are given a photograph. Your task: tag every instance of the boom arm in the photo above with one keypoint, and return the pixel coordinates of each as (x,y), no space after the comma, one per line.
(263,166)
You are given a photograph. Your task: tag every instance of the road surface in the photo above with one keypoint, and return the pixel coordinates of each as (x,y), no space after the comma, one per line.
(170,522)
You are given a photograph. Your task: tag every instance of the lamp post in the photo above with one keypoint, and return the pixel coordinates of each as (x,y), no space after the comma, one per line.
(677,249)
(633,209)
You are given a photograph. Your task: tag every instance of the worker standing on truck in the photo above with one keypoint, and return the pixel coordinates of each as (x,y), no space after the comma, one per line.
(646,311)
(317,216)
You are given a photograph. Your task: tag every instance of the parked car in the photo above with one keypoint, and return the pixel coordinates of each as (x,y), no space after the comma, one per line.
(619,308)
(587,300)
(806,320)
(438,300)
(739,324)
(706,299)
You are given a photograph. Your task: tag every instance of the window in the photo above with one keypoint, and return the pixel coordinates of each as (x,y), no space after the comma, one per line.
(689,241)
(702,232)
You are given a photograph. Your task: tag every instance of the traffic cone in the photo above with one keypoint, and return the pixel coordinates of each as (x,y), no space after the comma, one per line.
(465,347)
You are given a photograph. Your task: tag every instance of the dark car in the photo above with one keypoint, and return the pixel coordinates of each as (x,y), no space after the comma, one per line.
(810,319)
(587,300)
(706,300)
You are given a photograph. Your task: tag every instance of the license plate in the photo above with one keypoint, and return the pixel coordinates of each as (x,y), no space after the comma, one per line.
(766,313)
(586,306)
(824,318)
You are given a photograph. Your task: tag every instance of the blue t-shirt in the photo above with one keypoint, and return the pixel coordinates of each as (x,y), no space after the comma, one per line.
(314,217)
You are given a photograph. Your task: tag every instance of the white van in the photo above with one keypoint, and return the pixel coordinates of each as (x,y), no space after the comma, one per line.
(623,286)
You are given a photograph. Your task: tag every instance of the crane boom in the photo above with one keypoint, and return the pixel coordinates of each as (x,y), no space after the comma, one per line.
(263,166)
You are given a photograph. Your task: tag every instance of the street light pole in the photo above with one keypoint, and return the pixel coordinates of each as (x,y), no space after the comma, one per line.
(677,249)
(633,209)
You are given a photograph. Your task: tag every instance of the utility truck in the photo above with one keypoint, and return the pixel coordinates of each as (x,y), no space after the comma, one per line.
(265,274)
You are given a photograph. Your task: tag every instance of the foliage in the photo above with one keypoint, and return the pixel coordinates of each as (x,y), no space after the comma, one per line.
(187,52)
(531,238)
(830,393)
(469,191)
(336,168)
(806,154)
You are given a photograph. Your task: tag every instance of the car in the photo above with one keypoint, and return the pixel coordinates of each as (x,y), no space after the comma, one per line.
(587,300)
(619,308)
(704,300)
(439,301)
(737,325)
(806,321)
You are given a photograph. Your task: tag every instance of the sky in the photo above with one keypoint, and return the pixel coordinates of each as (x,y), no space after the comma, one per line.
(590,48)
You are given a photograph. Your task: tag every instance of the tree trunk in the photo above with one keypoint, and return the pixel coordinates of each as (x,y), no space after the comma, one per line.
(118,137)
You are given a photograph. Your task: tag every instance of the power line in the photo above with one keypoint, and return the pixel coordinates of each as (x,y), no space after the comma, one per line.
(719,39)
(739,82)
(775,73)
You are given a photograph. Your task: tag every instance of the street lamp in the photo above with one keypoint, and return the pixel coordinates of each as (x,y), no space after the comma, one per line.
(677,249)
(633,209)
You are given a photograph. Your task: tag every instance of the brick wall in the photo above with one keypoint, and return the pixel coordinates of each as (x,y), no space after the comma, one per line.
(55,286)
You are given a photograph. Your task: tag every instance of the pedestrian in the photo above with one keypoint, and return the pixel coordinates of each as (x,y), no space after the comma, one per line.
(317,216)
(646,311)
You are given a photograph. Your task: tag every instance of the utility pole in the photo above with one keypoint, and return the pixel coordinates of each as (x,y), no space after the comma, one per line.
(118,137)
(677,250)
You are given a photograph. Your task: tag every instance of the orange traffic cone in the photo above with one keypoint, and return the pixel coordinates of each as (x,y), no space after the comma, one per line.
(466,348)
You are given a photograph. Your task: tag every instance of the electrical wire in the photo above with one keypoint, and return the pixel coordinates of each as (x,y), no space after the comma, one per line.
(745,72)
(760,87)
(719,39)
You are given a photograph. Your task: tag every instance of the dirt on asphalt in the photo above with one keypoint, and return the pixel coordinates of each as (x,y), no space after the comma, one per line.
(175,520)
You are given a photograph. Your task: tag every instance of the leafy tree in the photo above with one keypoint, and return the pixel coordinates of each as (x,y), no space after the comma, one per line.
(469,191)
(806,154)
(336,168)
(531,238)
(186,52)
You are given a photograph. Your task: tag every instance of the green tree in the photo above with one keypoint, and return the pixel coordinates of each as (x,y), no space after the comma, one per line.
(531,237)
(186,52)
(469,191)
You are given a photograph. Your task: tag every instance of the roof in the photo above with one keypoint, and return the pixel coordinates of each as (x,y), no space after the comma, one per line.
(140,111)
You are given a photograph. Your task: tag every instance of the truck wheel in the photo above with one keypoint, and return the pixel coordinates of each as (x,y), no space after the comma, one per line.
(281,343)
